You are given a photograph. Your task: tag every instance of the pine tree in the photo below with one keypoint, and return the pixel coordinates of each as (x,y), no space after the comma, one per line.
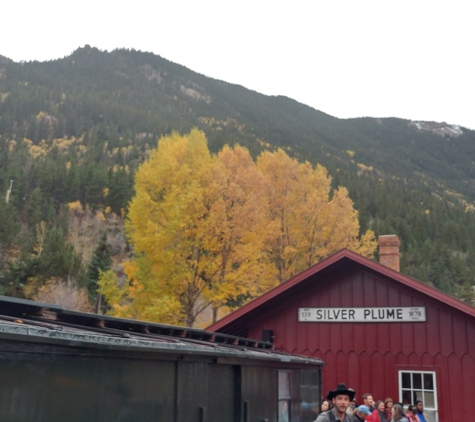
(119,190)
(101,261)
(9,228)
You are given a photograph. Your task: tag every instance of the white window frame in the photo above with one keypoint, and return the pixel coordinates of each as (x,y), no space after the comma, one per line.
(435,409)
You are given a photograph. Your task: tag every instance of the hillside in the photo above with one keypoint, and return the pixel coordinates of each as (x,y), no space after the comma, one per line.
(90,119)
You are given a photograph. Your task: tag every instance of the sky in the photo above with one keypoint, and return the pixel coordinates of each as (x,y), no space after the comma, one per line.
(407,59)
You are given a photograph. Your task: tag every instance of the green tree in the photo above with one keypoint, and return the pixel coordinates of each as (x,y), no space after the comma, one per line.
(9,229)
(52,258)
(119,190)
(101,261)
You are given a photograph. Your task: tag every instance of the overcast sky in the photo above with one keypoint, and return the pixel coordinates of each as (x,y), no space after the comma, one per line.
(409,59)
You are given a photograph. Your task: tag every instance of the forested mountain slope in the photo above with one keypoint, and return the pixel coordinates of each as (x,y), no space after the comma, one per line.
(75,129)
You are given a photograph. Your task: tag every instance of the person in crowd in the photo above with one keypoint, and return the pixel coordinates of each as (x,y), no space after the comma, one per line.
(362,413)
(411,413)
(397,414)
(379,415)
(388,404)
(352,407)
(326,405)
(423,416)
(340,397)
(368,401)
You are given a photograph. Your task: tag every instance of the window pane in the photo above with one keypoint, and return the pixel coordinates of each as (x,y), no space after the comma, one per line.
(428,400)
(284,390)
(417,381)
(428,382)
(309,394)
(406,380)
(432,414)
(417,395)
(406,397)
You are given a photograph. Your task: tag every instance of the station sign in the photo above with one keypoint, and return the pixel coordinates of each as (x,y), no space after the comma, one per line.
(401,314)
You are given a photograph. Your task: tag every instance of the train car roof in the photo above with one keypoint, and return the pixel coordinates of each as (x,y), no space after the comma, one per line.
(36,322)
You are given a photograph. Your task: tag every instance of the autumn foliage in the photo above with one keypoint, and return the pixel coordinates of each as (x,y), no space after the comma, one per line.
(211,232)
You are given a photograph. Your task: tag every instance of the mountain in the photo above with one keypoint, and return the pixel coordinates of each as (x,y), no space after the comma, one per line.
(99,113)
(4,59)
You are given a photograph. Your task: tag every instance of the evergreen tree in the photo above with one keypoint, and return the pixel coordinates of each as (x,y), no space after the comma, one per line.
(101,261)
(35,207)
(119,191)
(9,228)
(95,183)
(59,258)
(73,184)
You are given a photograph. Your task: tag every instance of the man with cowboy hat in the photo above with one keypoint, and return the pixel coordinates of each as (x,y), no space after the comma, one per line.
(341,397)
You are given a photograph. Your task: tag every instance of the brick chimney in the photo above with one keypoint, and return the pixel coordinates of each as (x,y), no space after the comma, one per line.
(389,251)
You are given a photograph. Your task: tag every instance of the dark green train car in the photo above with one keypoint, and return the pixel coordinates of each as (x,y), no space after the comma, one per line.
(59,365)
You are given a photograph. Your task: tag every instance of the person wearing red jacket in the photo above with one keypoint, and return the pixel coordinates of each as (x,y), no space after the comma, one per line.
(379,415)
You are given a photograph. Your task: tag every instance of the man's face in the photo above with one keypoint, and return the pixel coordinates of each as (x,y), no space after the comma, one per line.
(420,407)
(341,402)
(369,401)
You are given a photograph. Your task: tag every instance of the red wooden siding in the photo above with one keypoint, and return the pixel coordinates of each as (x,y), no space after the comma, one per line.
(368,356)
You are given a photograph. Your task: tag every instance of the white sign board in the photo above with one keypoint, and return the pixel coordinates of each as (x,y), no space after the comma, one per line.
(417,314)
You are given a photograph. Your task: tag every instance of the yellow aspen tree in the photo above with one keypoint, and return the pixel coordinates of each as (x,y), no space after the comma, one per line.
(213,231)
(239,270)
(307,220)
(341,229)
(194,224)
(282,239)
(141,296)
(166,229)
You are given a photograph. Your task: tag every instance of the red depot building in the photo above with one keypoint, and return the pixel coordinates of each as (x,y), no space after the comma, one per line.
(378,331)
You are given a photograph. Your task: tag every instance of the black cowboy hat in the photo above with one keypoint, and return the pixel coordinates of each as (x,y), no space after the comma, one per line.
(341,389)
